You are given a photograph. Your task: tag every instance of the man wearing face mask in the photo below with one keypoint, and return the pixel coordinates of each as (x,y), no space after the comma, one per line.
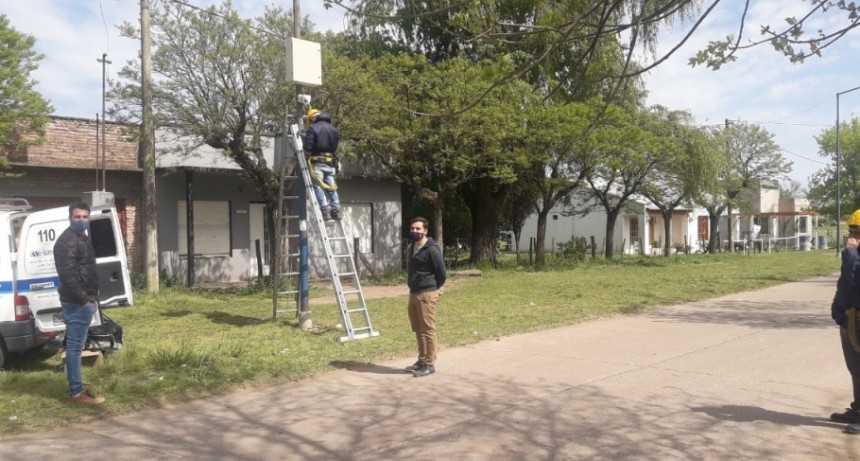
(426,275)
(75,260)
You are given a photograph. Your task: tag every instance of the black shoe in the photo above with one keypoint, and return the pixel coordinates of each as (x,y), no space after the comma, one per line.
(852,429)
(418,364)
(425,370)
(335,214)
(850,416)
(326,216)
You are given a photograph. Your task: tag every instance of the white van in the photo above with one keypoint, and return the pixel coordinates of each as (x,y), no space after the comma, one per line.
(30,310)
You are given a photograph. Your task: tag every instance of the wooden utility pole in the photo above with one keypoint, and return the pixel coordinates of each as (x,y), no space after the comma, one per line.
(146,151)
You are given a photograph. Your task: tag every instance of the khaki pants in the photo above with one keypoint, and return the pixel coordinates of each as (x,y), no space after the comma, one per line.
(422,317)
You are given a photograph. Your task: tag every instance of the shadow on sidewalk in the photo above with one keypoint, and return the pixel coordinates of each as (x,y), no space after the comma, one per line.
(366,367)
(748,414)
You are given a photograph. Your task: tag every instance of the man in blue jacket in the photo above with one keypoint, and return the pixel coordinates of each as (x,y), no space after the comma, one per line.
(844,312)
(320,140)
(426,275)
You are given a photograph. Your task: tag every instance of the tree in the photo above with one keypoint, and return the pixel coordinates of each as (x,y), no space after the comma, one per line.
(219,82)
(822,184)
(683,171)
(564,47)
(23,111)
(439,157)
(753,156)
(791,189)
(561,140)
(626,151)
(544,29)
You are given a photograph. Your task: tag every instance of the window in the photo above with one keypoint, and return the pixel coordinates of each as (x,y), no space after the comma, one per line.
(211,228)
(103,238)
(358,222)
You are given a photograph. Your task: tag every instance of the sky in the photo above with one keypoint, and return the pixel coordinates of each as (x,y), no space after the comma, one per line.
(794,102)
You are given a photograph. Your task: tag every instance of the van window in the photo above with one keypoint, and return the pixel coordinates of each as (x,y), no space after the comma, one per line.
(102,236)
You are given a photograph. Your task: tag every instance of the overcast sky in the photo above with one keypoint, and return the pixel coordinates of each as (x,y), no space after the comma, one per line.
(795,102)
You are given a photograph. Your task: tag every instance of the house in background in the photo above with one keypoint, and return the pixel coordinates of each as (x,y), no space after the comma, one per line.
(775,221)
(228,218)
(639,228)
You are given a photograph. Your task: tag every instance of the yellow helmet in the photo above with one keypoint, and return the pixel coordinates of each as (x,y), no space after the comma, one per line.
(854,219)
(309,117)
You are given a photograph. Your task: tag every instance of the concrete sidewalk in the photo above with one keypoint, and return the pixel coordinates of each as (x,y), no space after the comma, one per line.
(750,376)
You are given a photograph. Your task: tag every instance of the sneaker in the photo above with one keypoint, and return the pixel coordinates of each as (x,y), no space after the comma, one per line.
(335,214)
(415,366)
(326,216)
(852,429)
(425,370)
(850,416)
(87,397)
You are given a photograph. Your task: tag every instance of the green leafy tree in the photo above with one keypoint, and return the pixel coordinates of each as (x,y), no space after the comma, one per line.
(822,184)
(626,152)
(23,111)
(218,82)
(753,156)
(561,138)
(684,170)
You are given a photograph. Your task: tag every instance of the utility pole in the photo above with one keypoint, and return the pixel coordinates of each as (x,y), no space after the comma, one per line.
(146,151)
(305,317)
(104,62)
(729,199)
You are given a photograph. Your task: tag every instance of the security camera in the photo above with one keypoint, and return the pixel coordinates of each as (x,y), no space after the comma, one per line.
(304,99)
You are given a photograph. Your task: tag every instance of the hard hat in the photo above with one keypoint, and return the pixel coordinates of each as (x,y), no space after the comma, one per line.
(309,118)
(854,219)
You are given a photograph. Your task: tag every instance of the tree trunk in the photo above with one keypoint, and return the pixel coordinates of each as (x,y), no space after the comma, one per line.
(611,216)
(714,227)
(540,247)
(485,199)
(667,230)
(436,221)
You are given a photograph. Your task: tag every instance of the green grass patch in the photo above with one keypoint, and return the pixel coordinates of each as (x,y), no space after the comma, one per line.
(187,344)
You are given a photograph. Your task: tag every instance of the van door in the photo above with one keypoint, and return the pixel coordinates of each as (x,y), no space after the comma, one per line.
(37,276)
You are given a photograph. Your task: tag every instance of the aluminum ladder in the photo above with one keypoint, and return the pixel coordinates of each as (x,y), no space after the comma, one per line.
(336,245)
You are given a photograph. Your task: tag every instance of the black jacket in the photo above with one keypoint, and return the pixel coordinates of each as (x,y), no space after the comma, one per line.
(75,259)
(847,287)
(426,269)
(321,137)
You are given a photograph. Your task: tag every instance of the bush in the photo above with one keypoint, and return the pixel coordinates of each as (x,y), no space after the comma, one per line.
(576,249)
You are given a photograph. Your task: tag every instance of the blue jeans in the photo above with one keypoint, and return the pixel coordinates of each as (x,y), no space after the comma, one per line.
(77,318)
(327,198)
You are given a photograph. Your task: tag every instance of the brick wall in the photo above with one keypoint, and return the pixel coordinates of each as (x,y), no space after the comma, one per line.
(72,143)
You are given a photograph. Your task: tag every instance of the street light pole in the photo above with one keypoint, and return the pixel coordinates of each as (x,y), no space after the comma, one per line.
(838,176)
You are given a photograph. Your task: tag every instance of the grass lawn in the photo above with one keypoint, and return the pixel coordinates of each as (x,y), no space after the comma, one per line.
(182,345)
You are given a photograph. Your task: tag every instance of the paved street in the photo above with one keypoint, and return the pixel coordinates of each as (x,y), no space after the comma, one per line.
(749,376)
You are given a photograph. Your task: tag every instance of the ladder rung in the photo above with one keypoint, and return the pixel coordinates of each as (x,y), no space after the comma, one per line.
(351,292)
(346,274)
(342,256)
(352,311)
(369,334)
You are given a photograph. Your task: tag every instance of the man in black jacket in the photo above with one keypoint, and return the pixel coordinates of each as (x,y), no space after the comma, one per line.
(320,139)
(75,260)
(426,276)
